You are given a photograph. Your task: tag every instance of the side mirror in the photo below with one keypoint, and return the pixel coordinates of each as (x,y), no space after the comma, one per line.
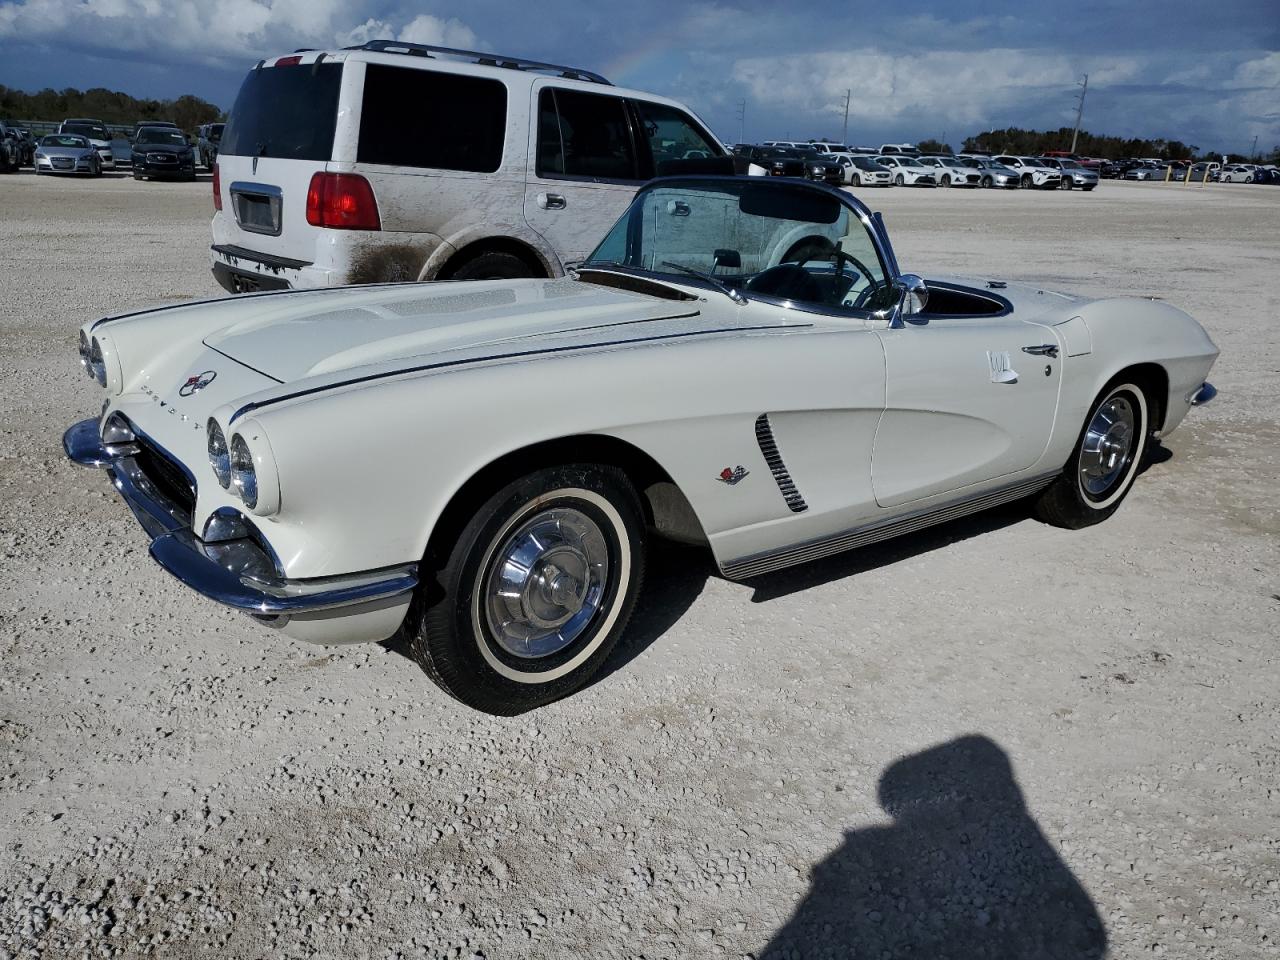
(913,296)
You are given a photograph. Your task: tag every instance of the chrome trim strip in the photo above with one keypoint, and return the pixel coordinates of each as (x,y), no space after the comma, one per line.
(180,552)
(515,355)
(753,566)
(769,448)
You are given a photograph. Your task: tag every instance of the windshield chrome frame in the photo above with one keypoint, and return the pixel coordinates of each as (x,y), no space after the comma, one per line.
(872,222)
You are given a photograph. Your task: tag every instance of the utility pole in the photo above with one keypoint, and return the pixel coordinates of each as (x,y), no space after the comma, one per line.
(844,131)
(1084,88)
(742,120)
(1253,153)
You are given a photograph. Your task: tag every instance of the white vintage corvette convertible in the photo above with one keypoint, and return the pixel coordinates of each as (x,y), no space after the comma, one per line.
(477,464)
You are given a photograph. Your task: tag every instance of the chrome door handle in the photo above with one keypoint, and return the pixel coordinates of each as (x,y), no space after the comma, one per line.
(551,201)
(1042,350)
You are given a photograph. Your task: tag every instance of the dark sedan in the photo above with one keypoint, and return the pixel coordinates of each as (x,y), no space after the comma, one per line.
(162,152)
(776,161)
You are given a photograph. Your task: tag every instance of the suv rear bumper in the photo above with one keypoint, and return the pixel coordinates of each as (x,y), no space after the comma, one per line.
(240,270)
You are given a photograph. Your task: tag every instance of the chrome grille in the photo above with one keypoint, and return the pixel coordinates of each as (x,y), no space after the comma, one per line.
(166,475)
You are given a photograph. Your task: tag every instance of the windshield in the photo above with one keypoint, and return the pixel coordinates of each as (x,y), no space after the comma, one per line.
(64,140)
(866,163)
(94,130)
(1069,165)
(774,240)
(161,135)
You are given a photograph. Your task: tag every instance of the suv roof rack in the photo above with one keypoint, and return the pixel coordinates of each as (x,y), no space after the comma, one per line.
(483,59)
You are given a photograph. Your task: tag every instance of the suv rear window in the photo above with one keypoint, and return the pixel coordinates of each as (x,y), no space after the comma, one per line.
(421,118)
(286,112)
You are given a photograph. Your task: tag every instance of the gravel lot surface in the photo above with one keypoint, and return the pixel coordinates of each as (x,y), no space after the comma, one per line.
(991,739)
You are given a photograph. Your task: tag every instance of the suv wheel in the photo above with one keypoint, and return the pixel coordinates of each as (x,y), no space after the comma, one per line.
(492,265)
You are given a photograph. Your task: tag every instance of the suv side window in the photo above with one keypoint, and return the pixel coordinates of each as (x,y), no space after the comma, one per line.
(584,135)
(421,118)
(672,135)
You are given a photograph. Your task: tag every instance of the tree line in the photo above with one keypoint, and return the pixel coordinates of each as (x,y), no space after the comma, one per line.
(109,106)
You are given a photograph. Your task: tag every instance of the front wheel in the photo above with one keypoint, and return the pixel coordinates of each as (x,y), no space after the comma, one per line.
(946,179)
(987,183)
(1066,184)
(1026,181)
(899,180)
(535,591)
(857,180)
(1106,459)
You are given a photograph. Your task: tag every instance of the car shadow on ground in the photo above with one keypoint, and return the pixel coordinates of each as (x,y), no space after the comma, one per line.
(962,872)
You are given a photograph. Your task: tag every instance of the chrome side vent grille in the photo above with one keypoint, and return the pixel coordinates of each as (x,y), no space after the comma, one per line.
(769,447)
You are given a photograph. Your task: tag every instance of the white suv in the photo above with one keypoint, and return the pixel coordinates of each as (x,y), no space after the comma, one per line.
(1032,172)
(397,161)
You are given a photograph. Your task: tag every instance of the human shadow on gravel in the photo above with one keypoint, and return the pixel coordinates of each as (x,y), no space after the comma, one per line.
(962,873)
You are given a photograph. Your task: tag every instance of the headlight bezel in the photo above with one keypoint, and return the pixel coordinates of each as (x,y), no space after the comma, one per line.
(219,452)
(97,362)
(244,472)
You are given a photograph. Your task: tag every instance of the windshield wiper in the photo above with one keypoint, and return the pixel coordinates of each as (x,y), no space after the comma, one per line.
(730,292)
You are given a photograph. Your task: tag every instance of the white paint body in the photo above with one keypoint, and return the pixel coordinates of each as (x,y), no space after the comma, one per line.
(1041,176)
(375,405)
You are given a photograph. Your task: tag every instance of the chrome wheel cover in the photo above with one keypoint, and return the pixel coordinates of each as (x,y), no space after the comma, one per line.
(1106,450)
(546,582)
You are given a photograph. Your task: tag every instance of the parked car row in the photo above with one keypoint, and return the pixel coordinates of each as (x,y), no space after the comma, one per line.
(903,166)
(155,149)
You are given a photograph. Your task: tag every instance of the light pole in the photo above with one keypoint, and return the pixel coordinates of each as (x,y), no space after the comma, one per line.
(1084,88)
(742,120)
(844,131)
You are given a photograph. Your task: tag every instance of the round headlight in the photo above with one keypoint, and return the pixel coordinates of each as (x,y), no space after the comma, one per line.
(219,455)
(243,476)
(97,366)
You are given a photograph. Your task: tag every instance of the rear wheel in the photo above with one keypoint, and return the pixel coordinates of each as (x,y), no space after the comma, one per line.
(1106,459)
(535,591)
(492,265)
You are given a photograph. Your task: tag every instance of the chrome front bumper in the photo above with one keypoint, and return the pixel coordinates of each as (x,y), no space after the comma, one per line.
(235,569)
(1202,395)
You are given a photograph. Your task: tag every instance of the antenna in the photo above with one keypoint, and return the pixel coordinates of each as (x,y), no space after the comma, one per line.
(1084,88)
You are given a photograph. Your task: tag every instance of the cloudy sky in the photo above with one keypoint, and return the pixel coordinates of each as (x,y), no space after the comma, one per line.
(1206,73)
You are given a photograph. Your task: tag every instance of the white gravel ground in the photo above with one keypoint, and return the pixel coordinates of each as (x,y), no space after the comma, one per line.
(994,739)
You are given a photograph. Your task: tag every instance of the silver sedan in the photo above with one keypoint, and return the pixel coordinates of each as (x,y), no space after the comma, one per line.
(67,153)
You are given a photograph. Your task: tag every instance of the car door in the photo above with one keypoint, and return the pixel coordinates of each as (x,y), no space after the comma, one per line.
(583,167)
(965,404)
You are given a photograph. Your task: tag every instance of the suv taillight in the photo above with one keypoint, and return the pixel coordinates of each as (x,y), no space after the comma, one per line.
(343,201)
(217,189)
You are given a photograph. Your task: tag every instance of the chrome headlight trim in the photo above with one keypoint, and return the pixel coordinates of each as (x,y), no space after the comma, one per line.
(219,453)
(97,367)
(84,355)
(244,474)
(253,461)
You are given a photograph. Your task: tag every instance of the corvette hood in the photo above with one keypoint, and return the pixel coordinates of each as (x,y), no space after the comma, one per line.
(288,338)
